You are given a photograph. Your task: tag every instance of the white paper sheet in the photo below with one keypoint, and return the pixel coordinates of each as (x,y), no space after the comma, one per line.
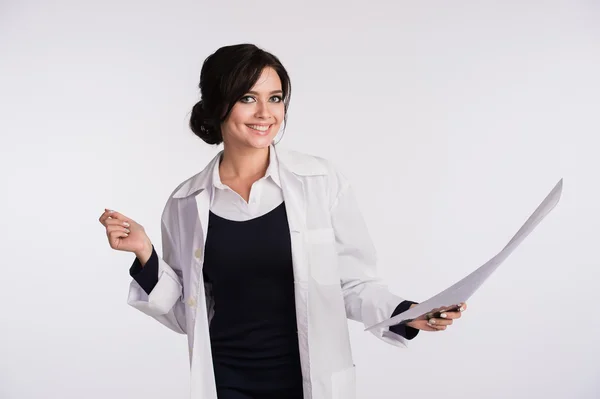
(462,290)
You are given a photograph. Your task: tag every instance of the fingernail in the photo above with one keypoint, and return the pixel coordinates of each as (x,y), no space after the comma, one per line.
(443,315)
(125,224)
(461,309)
(431,321)
(127,231)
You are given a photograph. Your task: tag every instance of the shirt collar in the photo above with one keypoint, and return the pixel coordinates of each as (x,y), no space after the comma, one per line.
(296,163)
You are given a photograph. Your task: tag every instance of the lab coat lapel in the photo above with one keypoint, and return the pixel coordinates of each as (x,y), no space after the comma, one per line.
(294,196)
(295,205)
(193,225)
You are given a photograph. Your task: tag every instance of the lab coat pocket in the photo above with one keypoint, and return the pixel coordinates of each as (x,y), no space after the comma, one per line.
(323,256)
(343,384)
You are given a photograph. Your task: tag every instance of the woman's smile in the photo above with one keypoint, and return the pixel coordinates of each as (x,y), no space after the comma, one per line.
(261,130)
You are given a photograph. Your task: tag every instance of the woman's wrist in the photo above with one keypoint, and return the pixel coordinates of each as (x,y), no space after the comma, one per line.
(144,253)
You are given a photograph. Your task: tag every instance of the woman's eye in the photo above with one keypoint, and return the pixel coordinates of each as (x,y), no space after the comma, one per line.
(249,99)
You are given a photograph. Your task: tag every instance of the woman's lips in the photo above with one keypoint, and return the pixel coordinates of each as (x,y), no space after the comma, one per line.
(260,129)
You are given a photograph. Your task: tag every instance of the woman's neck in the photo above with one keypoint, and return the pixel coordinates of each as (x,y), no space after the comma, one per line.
(243,164)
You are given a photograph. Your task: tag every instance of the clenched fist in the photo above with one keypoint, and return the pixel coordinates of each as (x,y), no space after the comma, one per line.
(124,234)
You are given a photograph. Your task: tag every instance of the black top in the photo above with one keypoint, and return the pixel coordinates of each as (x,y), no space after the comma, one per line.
(253,331)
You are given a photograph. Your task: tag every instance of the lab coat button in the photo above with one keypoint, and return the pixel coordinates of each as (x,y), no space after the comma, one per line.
(198,253)
(191,302)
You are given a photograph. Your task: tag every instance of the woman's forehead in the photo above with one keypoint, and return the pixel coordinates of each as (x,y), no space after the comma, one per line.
(268,81)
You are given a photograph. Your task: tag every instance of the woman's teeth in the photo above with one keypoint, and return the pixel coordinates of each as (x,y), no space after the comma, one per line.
(259,128)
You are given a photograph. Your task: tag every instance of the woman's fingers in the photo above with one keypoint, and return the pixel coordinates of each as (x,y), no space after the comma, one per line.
(439,319)
(116,237)
(104,217)
(450,315)
(429,327)
(446,318)
(116,222)
(425,326)
(123,233)
(117,234)
(439,322)
(116,228)
(110,214)
(450,312)
(453,313)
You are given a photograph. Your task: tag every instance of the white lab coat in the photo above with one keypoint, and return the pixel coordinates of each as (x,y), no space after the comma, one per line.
(334,264)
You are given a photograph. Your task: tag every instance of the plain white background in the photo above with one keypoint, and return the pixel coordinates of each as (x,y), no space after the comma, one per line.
(453,120)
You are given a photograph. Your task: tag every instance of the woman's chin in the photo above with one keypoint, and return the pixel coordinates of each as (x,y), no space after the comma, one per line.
(260,141)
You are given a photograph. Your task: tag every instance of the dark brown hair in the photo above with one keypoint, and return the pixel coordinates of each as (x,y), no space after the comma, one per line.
(226,75)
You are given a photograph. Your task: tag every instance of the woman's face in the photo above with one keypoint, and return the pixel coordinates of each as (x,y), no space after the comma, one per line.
(255,119)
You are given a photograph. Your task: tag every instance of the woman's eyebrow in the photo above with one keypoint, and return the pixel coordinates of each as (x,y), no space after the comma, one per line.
(273,92)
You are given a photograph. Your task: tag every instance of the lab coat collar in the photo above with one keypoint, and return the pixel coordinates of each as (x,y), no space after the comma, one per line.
(298,163)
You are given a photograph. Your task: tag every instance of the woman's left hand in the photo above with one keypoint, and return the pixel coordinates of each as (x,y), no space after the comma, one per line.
(444,317)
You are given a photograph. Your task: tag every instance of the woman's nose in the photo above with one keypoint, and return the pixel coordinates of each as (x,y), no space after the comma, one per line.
(262,110)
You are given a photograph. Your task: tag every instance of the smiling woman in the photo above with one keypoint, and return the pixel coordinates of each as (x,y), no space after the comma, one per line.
(246,89)
(265,252)
(255,120)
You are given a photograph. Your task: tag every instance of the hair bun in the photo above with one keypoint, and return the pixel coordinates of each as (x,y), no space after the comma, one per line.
(202,126)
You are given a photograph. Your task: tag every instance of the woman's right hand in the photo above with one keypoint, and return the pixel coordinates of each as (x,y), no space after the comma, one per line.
(124,234)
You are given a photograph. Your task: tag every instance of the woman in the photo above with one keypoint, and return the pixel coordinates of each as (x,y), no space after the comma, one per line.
(265,253)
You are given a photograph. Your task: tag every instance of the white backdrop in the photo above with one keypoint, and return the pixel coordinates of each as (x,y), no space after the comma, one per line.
(453,120)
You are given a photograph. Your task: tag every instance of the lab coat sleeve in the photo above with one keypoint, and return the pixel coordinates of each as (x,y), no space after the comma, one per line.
(402,329)
(366,297)
(164,302)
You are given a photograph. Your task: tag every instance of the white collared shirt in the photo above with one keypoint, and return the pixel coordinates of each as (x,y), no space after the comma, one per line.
(265,195)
